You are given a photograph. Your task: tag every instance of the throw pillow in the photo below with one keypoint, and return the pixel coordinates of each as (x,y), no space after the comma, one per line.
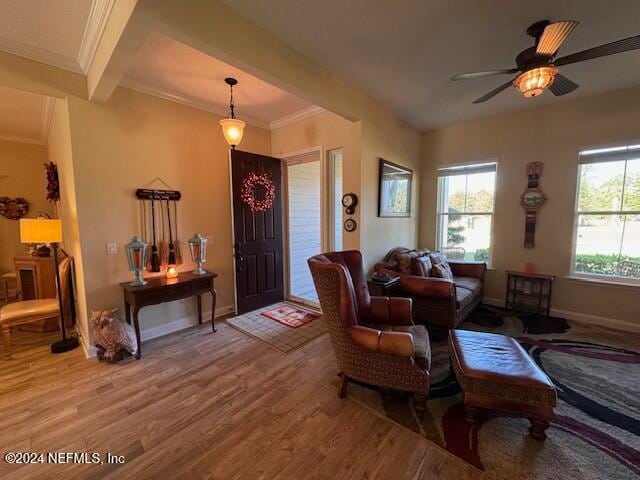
(442,270)
(421,266)
(437,258)
(404,261)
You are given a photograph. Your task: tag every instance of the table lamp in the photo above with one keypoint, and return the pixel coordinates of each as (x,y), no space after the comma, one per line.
(44,230)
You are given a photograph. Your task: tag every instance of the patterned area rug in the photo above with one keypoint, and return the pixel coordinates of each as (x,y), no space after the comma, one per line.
(291,316)
(595,434)
(279,336)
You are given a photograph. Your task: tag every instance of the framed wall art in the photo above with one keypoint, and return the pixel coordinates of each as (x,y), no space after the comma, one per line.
(394,197)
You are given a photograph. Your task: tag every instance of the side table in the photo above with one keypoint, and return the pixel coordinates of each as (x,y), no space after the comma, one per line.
(529,292)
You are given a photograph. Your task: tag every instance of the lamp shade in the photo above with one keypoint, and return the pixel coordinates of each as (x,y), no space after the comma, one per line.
(533,82)
(232,128)
(40,230)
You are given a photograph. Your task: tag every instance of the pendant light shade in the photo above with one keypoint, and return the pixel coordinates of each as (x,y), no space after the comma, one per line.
(232,128)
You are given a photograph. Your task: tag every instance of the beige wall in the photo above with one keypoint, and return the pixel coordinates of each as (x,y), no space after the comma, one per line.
(386,137)
(125,144)
(60,152)
(329,131)
(553,134)
(22,174)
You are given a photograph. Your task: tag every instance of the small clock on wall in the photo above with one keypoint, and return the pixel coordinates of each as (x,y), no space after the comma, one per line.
(349,202)
(350,225)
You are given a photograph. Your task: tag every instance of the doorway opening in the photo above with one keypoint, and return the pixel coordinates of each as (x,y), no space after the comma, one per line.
(304,226)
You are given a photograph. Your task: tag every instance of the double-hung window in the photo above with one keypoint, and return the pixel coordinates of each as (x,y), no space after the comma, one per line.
(607,216)
(466,197)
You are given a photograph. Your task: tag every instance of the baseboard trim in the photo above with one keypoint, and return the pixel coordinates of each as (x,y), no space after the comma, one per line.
(607,322)
(90,351)
(164,329)
(181,323)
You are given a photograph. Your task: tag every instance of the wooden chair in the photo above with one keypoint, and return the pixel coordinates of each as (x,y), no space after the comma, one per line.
(8,287)
(29,311)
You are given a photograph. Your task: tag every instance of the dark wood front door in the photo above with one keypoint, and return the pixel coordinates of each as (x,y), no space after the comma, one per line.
(258,236)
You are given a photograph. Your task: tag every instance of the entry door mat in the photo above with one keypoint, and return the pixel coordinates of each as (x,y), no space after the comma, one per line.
(277,335)
(291,316)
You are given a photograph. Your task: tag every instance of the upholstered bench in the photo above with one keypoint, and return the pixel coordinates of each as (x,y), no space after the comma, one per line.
(495,372)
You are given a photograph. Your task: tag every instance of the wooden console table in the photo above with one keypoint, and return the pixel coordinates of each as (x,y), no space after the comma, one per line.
(161,290)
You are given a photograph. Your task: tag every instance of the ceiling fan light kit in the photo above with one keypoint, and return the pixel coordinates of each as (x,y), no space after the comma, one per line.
(533,82)
(537,66)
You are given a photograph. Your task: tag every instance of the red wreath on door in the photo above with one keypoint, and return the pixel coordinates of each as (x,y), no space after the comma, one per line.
(247,193)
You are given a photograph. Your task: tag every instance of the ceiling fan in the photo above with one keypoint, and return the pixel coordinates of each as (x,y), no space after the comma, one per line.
(538,65)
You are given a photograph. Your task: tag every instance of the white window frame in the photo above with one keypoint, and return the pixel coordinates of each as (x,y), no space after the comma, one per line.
(332,216)
(469,168)
(589,156)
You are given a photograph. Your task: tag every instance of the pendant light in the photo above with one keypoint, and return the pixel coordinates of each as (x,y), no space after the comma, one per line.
(232,127)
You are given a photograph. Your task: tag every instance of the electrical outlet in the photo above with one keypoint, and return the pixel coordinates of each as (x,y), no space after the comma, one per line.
(112,248)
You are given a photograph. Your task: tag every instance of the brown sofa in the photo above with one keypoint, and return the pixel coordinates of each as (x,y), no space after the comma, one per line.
(438,303)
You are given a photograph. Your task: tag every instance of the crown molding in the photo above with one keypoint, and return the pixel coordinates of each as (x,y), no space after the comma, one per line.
(19,139)
(166,94)
(98,16)
(296,117)
(48,104)
(39,54)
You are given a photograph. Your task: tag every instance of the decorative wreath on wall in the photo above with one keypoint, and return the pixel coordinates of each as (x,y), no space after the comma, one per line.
(247,193)
(13,208)
(53,182)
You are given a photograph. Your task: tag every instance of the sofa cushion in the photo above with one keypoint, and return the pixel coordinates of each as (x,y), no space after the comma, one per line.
(422,349)
(421,266)
(469,283)
(442,270)
(463,297)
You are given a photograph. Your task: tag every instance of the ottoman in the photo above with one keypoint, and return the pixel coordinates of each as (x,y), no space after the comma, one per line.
(495,372)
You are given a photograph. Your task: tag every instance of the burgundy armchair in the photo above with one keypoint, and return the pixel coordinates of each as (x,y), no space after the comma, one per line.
(374,338)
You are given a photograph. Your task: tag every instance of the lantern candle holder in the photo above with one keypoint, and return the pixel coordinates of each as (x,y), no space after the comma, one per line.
(172,271)
(198,249)
(136,256)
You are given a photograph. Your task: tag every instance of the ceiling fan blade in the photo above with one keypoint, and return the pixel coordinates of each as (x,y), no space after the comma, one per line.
(488,73)
(625,45)
(562,85)
(553,36)
(493,92)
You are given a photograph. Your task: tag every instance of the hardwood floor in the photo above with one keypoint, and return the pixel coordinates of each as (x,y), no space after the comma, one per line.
(202,405)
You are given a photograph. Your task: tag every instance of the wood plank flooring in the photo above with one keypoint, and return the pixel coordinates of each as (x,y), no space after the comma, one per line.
(202,405)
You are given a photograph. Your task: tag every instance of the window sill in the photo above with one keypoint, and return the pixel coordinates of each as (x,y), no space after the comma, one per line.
(603,283)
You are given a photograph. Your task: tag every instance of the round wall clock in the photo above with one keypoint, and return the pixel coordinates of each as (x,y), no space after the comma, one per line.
(350,225)
(349,202)
(533,198)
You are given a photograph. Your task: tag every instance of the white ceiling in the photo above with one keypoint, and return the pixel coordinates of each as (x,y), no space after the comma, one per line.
(63,33)
(172,70)
(403,52)
(24,117)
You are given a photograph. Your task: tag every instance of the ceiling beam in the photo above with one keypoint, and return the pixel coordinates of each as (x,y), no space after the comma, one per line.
(217,30)
(125,31)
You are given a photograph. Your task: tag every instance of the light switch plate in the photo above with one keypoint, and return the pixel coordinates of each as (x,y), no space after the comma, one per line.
(112,248)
